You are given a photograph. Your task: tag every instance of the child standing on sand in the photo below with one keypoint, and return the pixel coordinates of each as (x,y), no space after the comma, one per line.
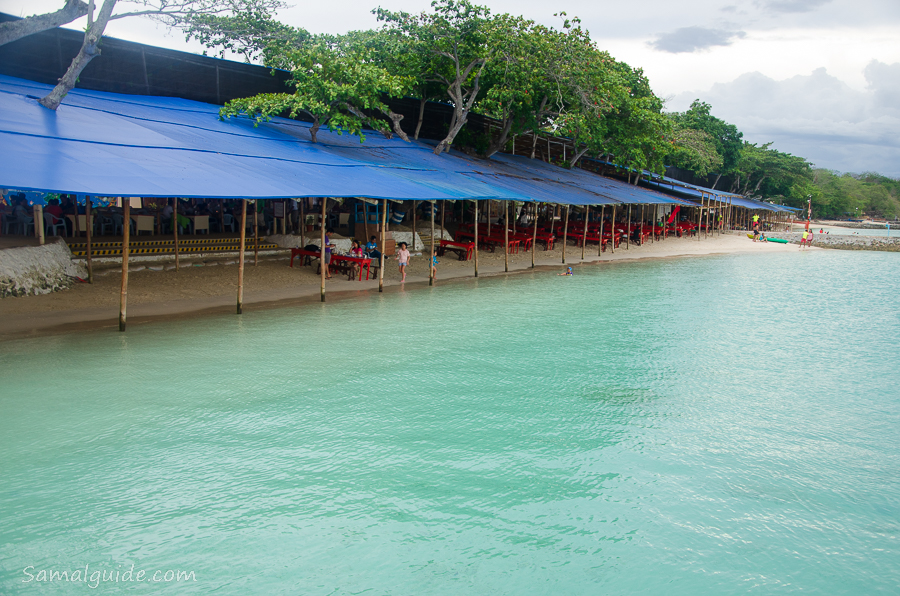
(403,260)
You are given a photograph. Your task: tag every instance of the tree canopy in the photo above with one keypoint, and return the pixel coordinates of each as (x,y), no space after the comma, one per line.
(526,77)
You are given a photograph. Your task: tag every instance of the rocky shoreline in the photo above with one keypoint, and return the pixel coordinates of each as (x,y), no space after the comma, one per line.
(842,242)
(857,225)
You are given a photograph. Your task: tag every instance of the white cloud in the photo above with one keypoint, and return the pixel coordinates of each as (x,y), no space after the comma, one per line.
(817,116)
(693,39)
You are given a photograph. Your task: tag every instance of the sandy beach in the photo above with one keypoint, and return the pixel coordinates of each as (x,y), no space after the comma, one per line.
(212,288)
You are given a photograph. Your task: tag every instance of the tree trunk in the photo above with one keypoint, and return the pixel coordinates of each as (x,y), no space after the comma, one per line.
(422,103)
(444,145)
(498,144)
(88,52)
(395,124)
(13,30)
(462,106)
(314,130)
(718,176)
(578,155)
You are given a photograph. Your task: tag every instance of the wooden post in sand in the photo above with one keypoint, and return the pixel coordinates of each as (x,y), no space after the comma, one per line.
(565,235)
(612,230)
(431,207)
(628,229)
(381,264)
(322,251)
(90,230)
(708,213)
(175,228)
(443,210)
(641,227)
(302,224)
(534,235)
(76,225)
(38,214)
(700,216)
(489,209)
(414,227)
(587,218)
(126,236)
(476,237)
(506,236)
(600,244)
(256,232)
(240,296)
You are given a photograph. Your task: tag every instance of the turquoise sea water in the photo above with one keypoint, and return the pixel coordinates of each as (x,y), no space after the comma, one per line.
(715,425)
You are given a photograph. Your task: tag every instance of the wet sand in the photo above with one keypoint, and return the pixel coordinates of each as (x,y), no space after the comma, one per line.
(197,290)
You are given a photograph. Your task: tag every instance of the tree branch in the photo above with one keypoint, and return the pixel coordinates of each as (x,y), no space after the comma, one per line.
(88,52)
(13,30)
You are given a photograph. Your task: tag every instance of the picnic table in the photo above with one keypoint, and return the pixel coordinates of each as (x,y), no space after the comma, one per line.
(464,249)
(492,241)
(341,262)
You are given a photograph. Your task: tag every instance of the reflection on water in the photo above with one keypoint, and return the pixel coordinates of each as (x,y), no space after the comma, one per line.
(712,425)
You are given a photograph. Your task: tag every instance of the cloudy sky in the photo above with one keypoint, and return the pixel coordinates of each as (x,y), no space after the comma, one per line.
(817,78)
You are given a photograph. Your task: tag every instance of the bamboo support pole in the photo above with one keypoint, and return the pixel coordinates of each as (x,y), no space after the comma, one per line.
(506,236)
(612,230)
(431,207)
(38,214)
(600,244)
(302,224)
(381,258)
(641,227)
(256,205)
(628,229)
(700,218)
(489,210)
(413,226)
(323,266)
(240,295)
(90,230)
(126,236)
(708,209)
(565,235)
(587,219)
(476,237)
(534,235)
(443,210)
(175,230)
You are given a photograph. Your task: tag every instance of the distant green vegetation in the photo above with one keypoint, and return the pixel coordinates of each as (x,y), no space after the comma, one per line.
(714,150)
(839,196)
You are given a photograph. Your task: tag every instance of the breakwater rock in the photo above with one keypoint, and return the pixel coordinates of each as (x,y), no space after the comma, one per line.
(843,242)
(37,269)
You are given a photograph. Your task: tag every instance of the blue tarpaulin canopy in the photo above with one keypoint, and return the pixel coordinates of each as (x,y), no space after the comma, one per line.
(106,144)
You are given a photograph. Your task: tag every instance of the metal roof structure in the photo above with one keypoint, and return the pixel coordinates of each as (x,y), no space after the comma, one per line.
(106,144)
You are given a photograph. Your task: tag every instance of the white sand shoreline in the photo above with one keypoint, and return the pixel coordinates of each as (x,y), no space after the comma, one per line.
(197,291)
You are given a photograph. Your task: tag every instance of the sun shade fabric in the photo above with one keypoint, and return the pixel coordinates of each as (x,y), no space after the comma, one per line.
(106,144)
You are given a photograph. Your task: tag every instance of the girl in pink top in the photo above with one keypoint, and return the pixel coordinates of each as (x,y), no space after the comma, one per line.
(403,260)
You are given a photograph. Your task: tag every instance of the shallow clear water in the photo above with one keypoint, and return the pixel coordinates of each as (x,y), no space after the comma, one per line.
(716,425)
